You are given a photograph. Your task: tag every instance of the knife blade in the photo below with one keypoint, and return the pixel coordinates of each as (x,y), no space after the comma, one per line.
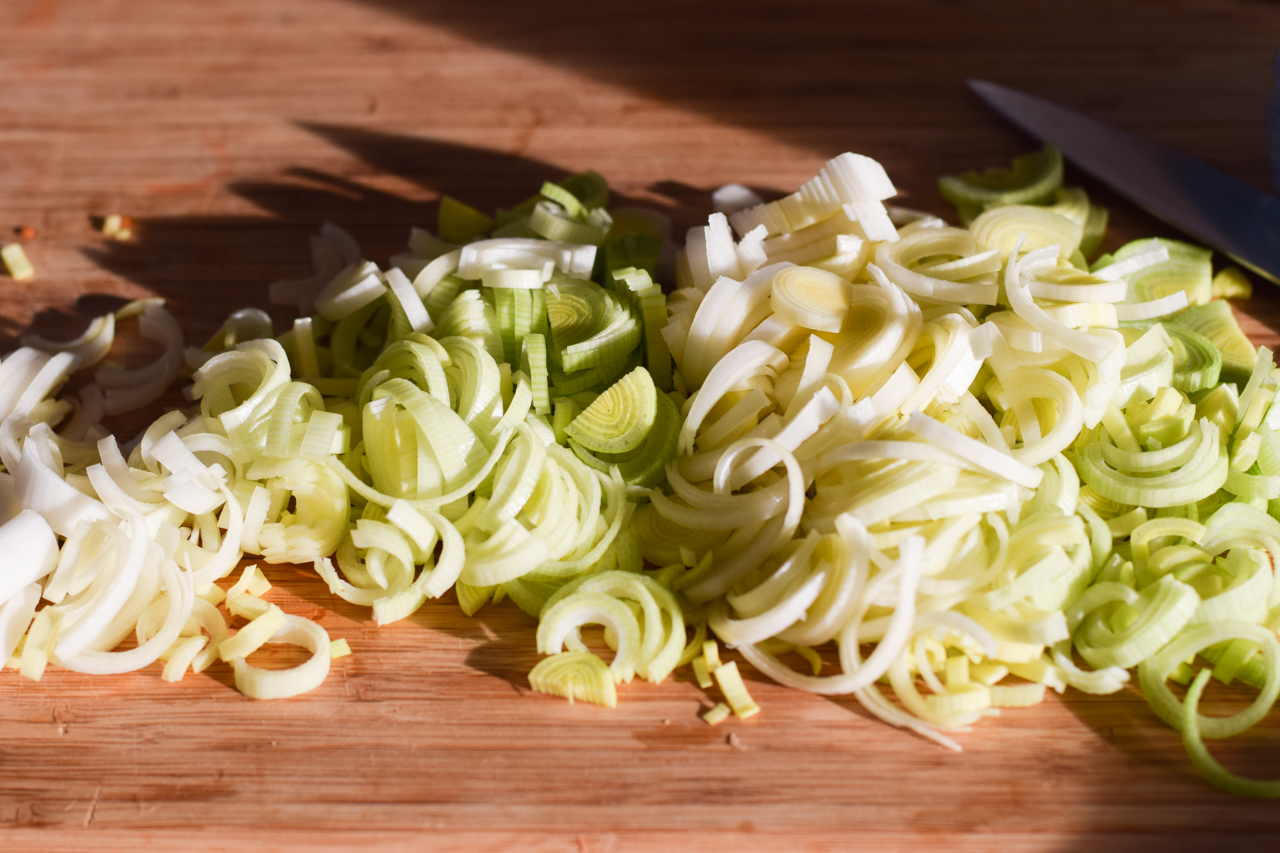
(1211,206)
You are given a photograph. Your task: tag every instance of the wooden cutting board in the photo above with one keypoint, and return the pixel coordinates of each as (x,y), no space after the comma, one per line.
(231,130)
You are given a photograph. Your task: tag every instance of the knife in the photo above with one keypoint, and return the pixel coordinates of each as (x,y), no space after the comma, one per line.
(1211,206)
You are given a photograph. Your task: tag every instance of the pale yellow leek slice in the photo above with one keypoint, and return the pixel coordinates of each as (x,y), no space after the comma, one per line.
(181,654)
(251,637)
(41,637)
(16,262)
(575,675)
(735,692)
(718,714)
(810,297)
(701,673)
(259,683)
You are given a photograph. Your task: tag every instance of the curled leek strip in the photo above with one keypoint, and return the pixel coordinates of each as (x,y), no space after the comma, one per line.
(89,348)
(898,260)
(259,683)
(1163,608)
(1215,773)
(1153,671)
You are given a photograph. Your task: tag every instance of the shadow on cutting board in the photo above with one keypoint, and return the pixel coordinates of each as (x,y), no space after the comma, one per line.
(209,266)
(803,71)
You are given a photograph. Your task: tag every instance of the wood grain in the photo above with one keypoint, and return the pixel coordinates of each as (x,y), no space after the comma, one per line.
(231,130)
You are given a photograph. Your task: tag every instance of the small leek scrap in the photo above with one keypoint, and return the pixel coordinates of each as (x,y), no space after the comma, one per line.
(718,714)
(735,692)
(117,227)
(1231,283)
(16,262)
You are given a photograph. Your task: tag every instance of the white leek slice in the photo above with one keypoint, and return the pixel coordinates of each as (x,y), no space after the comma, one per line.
(259,683)
(181,598)
(1175,301)
(30,553)
(354,287)
(1092,347)
(181,656)
(89,348)
(63,506)
(573,611)
(574,260)
(859,674)
(130,389)
(896,260)
(980,454)
(745,360)
(410,301)
(810,298)
(131,553)
(15,617)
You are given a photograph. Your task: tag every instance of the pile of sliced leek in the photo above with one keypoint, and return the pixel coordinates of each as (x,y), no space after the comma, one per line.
(969,462)
(469,418)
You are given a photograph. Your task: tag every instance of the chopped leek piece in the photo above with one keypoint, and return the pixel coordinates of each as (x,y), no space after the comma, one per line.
(735,692)
(717,714)
(1210,769)
(575,675)
(701,674)
(1187,269)
(16,262)
(1231,283)
(461,223)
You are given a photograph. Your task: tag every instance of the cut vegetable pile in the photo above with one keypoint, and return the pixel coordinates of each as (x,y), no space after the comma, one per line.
(940,469)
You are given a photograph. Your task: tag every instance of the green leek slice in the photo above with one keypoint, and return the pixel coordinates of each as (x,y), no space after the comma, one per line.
(1031,179)
(1215,321)
(620,418)
(1211,770)
(461,223)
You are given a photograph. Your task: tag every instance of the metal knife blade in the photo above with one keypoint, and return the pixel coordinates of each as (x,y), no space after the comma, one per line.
(1213,207)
